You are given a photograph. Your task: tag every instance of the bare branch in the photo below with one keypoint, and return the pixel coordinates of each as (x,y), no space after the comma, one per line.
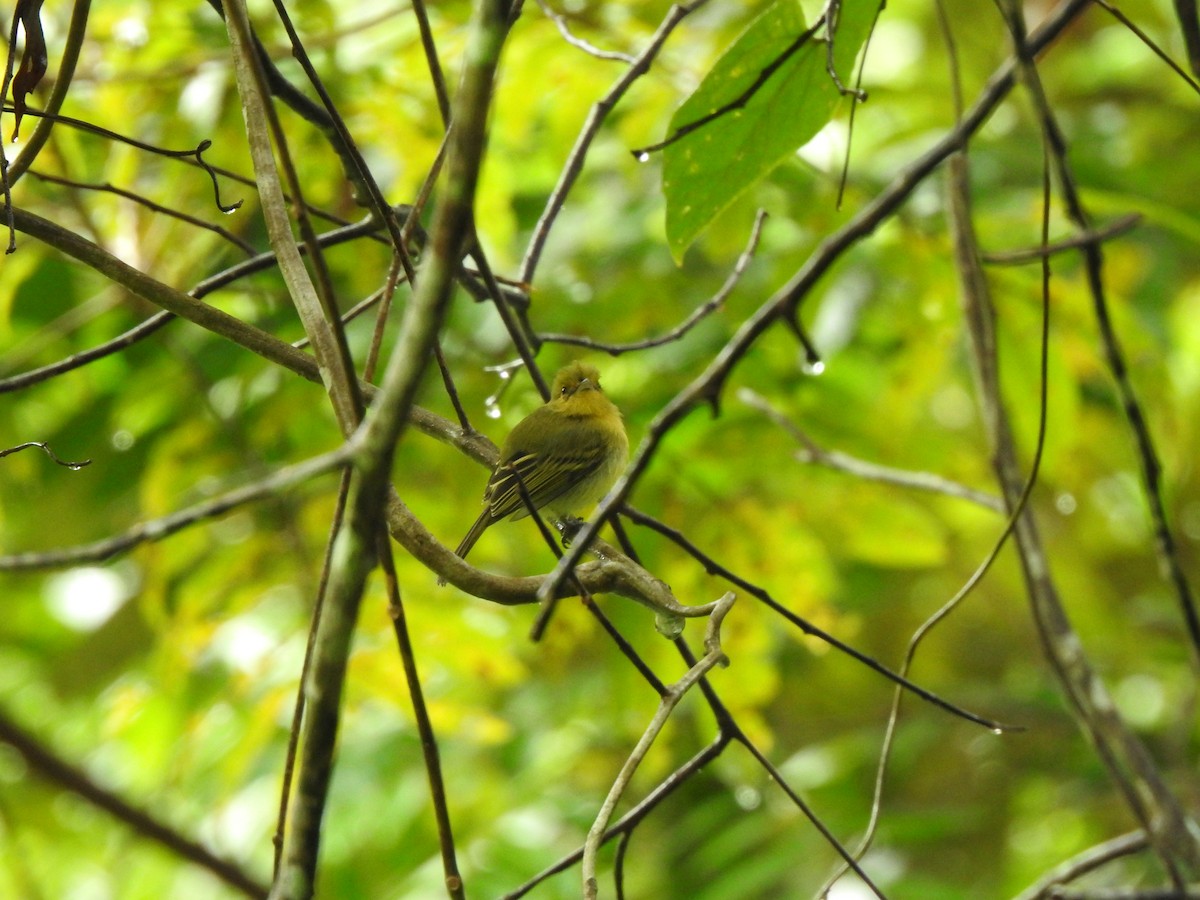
(715,568)
(843,462)
(560,22)
(699,314)
(1129,765)
(42,445)
(1190,27)
(194,155)
(713,656)
(1081,864)
(629,821)
(313,300)
(223,233)
(158,529)
(1114,229)
(49,765)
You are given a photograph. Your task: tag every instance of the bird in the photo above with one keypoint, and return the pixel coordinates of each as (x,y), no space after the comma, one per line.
(567,454)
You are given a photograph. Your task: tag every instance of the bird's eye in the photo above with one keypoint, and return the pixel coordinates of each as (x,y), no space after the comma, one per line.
(564,390)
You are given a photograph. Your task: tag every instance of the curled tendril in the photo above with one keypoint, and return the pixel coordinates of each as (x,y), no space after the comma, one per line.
(196,154)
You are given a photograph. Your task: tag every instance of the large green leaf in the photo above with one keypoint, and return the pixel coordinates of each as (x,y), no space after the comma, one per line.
(709,168)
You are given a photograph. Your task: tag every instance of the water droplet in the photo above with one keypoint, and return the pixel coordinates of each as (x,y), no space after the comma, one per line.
(642,156)
(491,408)
(816,367)
(748,798)
(997,731)
(668,624)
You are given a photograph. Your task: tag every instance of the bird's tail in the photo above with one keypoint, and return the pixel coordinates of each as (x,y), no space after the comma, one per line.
(464,547)
(481,524)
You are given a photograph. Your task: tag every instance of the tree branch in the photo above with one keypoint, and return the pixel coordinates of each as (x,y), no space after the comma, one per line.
(50,766)
(354,548)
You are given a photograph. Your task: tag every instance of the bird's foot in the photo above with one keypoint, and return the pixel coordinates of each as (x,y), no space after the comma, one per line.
(568,527)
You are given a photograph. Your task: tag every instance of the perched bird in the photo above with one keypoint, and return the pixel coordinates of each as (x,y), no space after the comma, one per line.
(568,453)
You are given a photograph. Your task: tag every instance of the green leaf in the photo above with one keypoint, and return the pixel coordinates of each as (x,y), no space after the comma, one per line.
(709,168)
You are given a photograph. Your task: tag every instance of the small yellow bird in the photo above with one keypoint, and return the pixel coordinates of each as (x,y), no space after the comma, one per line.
(567,452)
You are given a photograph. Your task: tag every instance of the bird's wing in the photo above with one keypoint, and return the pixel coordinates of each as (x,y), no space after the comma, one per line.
(545,478)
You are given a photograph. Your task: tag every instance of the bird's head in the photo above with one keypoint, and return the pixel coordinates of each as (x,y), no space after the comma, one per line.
(574,378)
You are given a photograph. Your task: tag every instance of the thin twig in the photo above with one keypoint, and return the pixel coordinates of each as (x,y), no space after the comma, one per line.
(700,313)
(861,468)
(224,233)
(630,820)
(729,727)
(194,155)
(861,95)
(591,127)
(1081,864)
(1077,241)
(264,345)
(625,647)
(46,448)
(93,255)
(429,746)
(560,22)
(849,859)
(362,306)
(833,16)
(713,657)
(157,529)
(515,323)
(436,75)
(713,567)
(1193,39)
(1189,24)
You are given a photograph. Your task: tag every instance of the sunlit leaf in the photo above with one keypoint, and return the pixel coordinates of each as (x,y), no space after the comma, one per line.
(710,167)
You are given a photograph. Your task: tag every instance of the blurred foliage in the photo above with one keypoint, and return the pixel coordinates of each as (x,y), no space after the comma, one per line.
(170,673)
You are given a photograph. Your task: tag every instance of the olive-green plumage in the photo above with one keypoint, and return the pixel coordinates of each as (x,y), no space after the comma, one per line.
(568,453)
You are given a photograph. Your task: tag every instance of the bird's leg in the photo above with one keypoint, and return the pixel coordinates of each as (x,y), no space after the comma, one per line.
(568,527)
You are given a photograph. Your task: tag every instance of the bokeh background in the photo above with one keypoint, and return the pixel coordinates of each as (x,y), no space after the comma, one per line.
(169,674)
